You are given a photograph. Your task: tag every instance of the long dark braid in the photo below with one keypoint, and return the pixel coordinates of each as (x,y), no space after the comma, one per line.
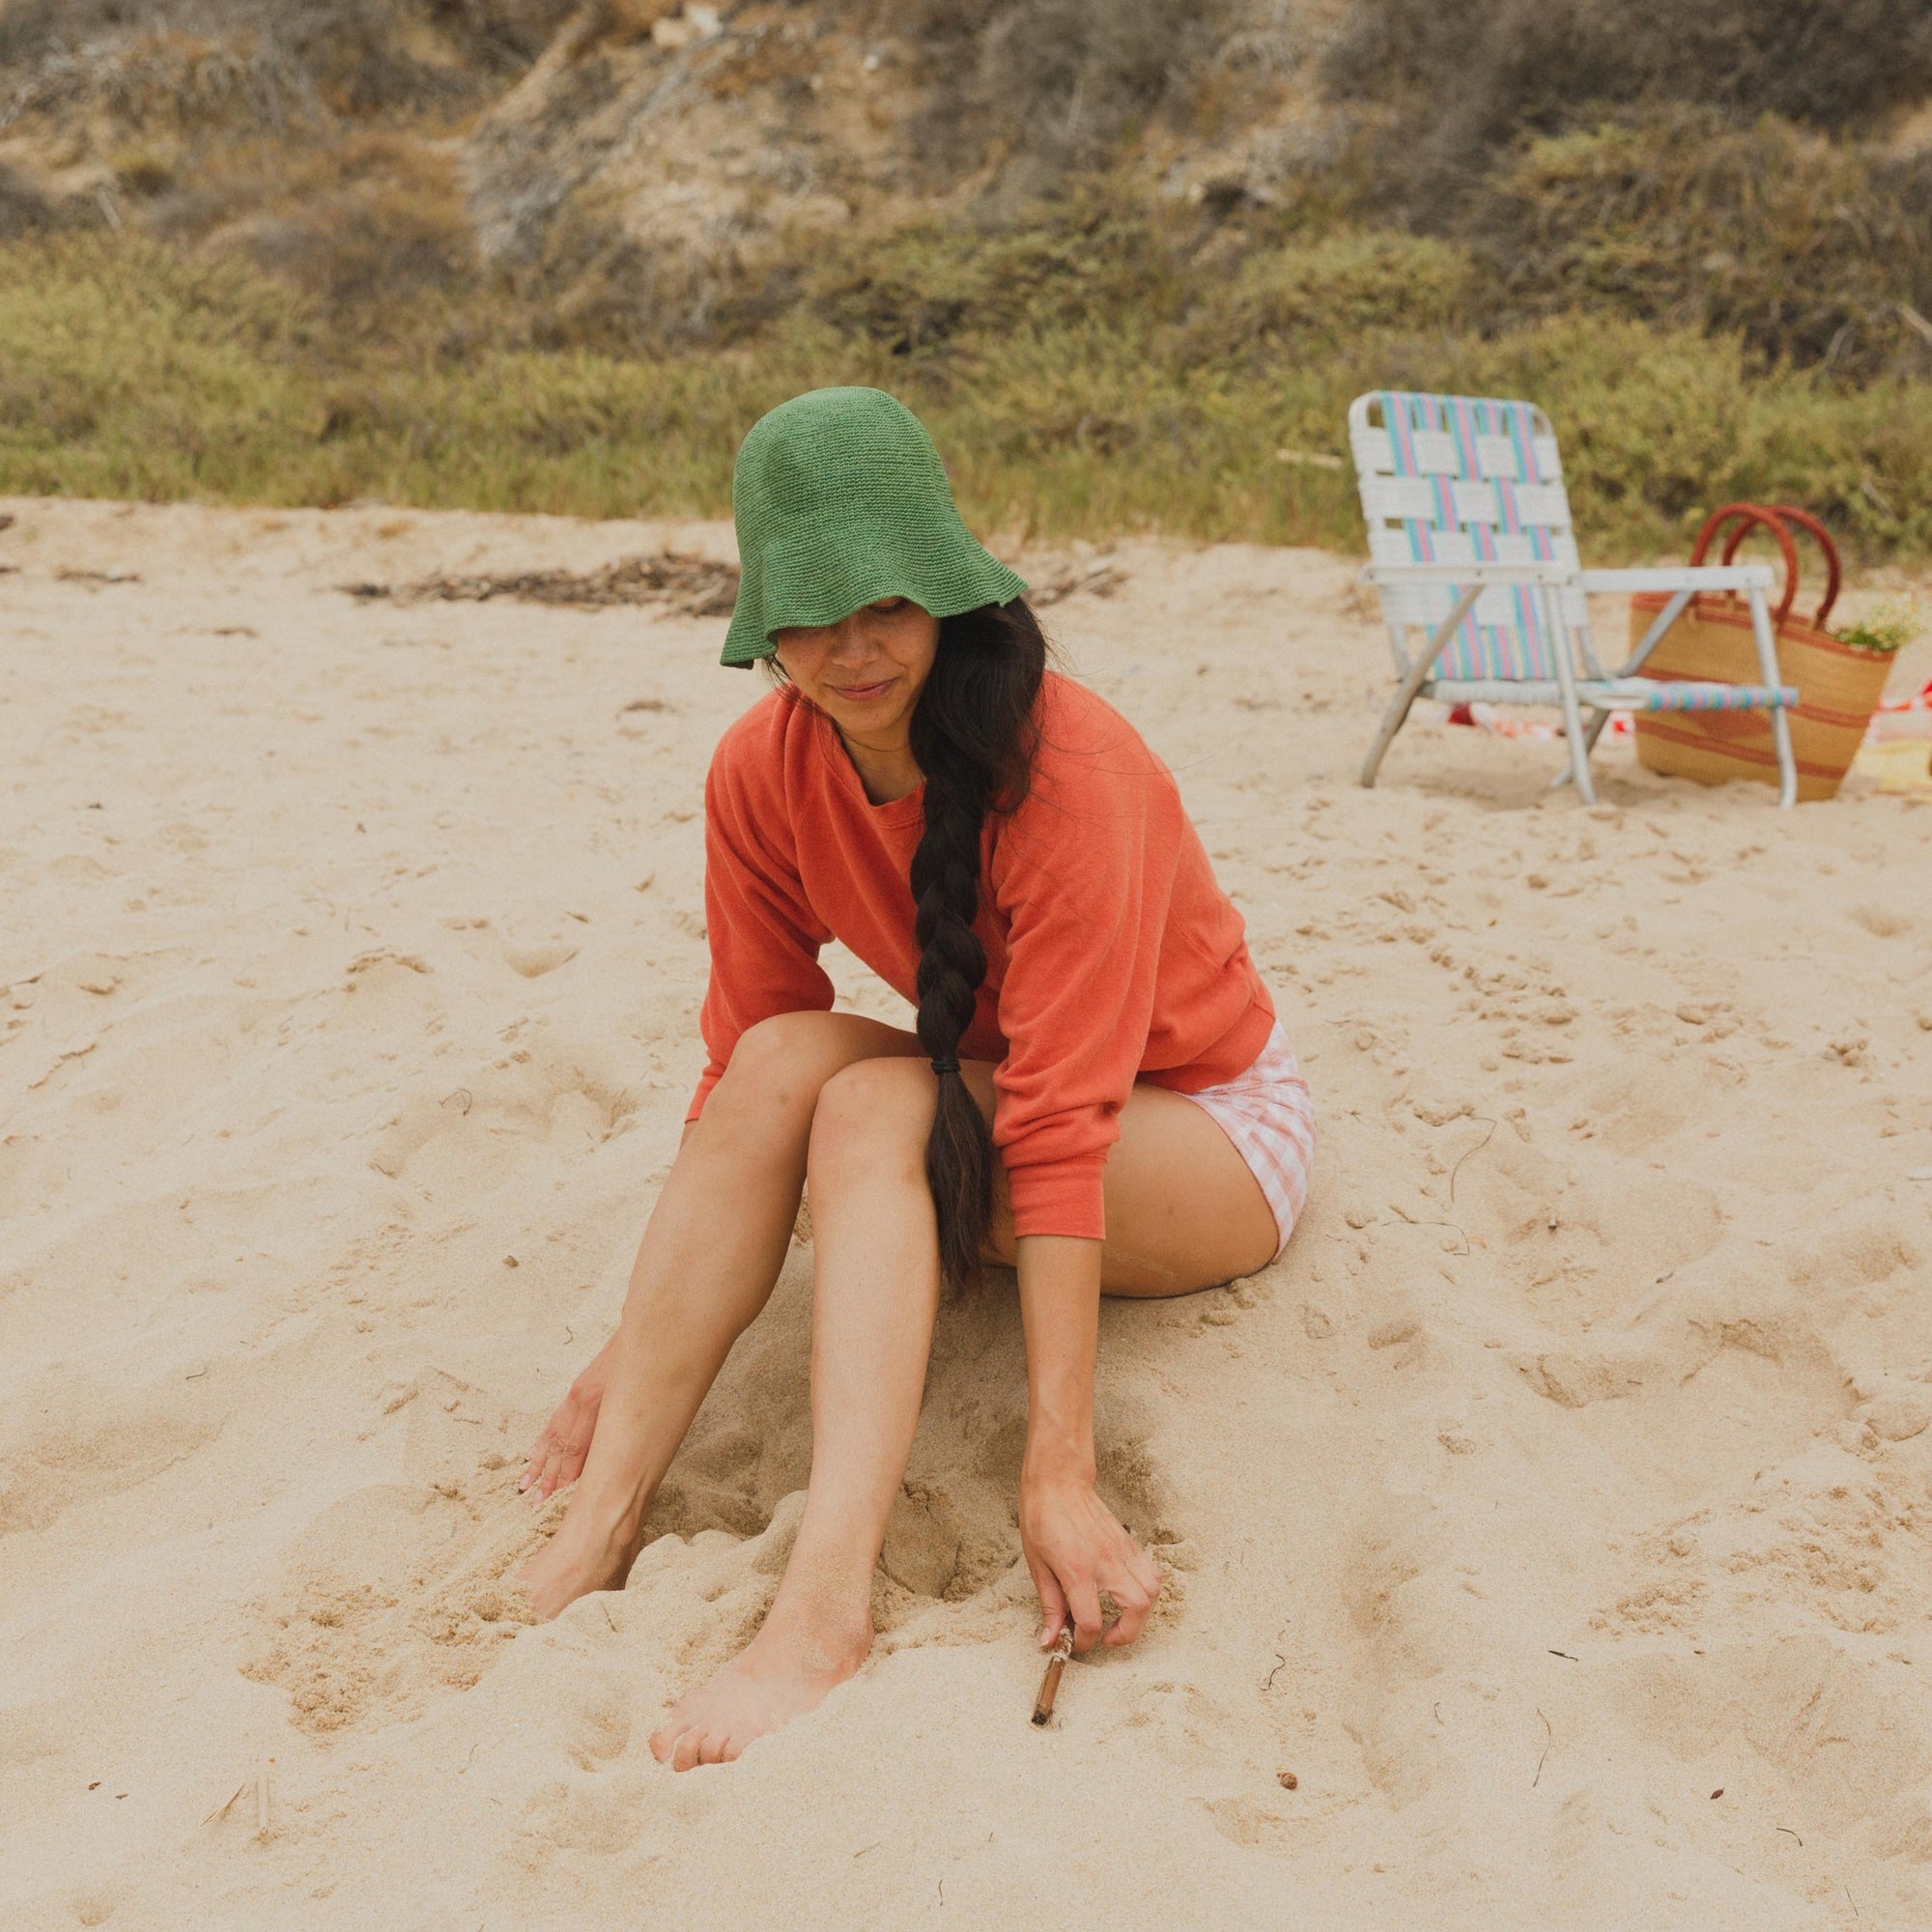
(974,735)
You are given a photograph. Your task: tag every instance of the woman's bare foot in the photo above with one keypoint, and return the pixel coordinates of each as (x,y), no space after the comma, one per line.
(592,1549)
(780,1675)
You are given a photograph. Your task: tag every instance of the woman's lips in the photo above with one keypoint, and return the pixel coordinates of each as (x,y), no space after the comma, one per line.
(860,693)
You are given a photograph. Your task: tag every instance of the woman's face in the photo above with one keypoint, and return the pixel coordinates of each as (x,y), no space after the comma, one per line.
(866,672)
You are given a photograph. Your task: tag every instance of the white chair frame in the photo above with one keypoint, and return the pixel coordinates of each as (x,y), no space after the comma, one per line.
(1560,590)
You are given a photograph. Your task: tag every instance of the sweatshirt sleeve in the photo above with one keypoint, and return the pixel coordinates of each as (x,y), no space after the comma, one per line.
(1085,872)
(763,934)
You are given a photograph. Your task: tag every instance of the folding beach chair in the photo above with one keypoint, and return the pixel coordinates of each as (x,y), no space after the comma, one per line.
(1470,545)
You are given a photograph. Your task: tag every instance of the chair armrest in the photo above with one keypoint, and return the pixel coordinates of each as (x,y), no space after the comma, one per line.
(1471,572)
(1683,577)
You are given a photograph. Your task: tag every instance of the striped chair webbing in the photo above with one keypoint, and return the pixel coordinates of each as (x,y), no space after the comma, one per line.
(1474,482)
(1617,694)
(1663,696)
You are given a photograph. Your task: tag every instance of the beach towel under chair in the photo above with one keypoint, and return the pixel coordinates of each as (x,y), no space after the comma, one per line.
(1470,546)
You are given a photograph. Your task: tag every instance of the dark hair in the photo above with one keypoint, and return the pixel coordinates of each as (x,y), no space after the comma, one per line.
(974,735)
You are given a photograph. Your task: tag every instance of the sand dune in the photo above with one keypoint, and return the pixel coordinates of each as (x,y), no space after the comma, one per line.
(1571,1469)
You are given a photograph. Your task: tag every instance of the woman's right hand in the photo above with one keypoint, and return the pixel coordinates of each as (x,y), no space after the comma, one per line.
(566,1442)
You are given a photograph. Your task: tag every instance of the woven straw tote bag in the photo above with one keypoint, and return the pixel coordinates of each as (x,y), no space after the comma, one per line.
(1839,684)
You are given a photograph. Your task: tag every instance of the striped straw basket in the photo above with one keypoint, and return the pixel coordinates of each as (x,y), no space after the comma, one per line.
(1839,685)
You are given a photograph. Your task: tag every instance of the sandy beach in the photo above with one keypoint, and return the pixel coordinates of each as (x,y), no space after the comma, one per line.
(1547,1535)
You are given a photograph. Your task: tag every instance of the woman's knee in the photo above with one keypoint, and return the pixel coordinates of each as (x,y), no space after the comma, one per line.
(874,1113)
(776,1071)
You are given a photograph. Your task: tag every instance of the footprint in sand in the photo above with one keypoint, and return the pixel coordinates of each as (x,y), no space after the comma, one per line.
(70,1439)
(1724,1386)
(385,987)
(1183,1719)
(598,1725)
(1835,1739)
(467,1139)
(532,955)
(605,1817)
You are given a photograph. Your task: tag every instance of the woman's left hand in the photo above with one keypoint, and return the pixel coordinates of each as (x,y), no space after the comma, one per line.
(1076,1548)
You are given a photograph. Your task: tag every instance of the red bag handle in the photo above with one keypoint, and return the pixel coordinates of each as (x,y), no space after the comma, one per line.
(1806,522)
(1745,515)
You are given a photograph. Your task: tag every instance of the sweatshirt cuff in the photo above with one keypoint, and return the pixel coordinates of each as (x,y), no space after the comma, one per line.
(704,1094)
(1061,1197)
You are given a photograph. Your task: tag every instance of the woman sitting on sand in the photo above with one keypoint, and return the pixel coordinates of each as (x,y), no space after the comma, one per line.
(997,844)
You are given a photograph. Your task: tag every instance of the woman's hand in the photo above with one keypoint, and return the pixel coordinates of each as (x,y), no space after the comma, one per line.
(1076,1548)
(558,1456)
(1074,1544)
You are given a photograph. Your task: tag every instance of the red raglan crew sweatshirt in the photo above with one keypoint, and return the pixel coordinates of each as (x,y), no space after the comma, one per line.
(1111,953)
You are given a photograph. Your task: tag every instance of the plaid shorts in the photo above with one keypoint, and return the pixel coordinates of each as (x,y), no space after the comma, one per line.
(1269,1114)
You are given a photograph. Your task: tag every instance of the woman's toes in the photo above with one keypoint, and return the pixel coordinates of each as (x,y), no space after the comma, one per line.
(684,1747)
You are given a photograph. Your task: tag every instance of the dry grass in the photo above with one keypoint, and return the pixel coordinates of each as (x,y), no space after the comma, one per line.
(693,585)
(1471,77)
(127,372)
(1054,85)
(1811,250)
(228,66)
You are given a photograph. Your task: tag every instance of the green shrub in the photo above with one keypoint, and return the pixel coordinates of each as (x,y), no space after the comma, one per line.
(1311,295)
(1093,252)
(129,370)
(1803,248)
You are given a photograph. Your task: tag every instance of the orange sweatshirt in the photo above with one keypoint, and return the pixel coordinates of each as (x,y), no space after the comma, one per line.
(1111,953)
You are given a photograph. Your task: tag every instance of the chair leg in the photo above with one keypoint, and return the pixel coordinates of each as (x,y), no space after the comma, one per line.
(1787,763)
(1591,733)
(1393,720)
(1780,722)
(1573,716)
(1580,752)
(1417,677)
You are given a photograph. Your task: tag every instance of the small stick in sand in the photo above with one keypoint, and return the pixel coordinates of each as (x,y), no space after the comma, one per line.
(1049,1685)
(221,1810)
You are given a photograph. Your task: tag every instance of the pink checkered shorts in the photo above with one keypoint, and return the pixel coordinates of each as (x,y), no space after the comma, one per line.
(1269,1114)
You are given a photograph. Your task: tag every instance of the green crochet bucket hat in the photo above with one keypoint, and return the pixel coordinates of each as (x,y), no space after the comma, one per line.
(840,498)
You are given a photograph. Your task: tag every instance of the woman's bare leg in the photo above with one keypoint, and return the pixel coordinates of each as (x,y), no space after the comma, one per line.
(876,1292)
(701,1276)
(1183,1212)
